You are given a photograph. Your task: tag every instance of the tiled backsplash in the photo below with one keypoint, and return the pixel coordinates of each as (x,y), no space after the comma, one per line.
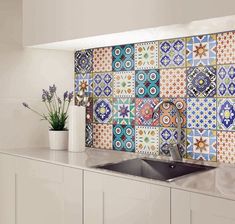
(126,82)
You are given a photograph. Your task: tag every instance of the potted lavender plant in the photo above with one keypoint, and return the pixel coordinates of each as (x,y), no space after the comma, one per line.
(57,115)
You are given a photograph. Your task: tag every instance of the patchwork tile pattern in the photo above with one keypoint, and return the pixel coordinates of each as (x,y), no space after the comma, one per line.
(226,48)
(201,113)
(173,82)
(201,144)
(226,80)
(83,61)
(102,110)
(123,57)
(169,136)
(201,81)
(124,138)
(102,85)
(168,116)
(102,59)
(226,114)
(124,84)
(124,111)
(102,136)
(147,83)
(201,50)
(226,146)
(144,112)
(146,55)
(147,140)
(89,135)
(172,53)
(83,82)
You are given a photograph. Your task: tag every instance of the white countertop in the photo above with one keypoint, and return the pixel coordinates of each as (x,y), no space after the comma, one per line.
(219,182)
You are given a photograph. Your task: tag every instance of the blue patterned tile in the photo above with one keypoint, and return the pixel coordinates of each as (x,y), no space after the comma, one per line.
(201,113)
(201,144)
(83,61)
(201,81)
(124,138)
(169,136)
(226,80)
(102,110)
(123,57)
(201,50)
(103,85)
(83,82)
(147,83)
(172,53)
(226,114)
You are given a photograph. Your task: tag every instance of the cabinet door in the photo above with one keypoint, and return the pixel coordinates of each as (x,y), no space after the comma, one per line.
(192,208)
(7,189)
(114,200)
(47,193)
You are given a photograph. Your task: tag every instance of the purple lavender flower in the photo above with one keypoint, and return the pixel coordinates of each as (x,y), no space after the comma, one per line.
(70,97)
(59,100)
(65,95)
(52,89)
(44,97)
(25,105)
(47,95)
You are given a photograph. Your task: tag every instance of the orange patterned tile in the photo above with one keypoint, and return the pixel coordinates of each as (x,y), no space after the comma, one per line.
(102,59)
(168,116)
(173,82)
(226,48)
(226,146)
(102,136)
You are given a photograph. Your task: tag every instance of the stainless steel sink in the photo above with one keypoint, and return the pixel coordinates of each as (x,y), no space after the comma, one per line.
(155,169)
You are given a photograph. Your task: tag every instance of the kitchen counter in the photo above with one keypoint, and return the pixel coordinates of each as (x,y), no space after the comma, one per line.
(219,182)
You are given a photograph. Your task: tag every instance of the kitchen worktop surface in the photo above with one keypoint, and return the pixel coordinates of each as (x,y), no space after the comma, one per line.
(219,182)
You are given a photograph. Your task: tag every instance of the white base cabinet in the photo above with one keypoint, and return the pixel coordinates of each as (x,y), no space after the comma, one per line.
(114,200)
(34,192)
(193,208)
(7,189)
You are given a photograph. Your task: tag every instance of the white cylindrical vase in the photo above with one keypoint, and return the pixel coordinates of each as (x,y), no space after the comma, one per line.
(58,140)
(77,126)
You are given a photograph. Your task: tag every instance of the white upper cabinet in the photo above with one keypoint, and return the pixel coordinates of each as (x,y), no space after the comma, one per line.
(114,200)
(46,21)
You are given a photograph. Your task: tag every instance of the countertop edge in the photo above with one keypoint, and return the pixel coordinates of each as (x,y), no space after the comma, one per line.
(171,185)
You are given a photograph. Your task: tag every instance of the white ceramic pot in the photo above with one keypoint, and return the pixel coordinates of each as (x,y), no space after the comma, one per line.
(58,139)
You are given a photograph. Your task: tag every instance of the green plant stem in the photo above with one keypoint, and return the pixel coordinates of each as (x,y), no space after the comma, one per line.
(47,107)
(67,108)
(43,116)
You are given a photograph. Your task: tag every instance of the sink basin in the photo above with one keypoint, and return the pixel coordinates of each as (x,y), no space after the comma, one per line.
(155,169)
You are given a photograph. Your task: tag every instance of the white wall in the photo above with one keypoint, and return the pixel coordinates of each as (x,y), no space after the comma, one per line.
(56,20)
(23,73)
